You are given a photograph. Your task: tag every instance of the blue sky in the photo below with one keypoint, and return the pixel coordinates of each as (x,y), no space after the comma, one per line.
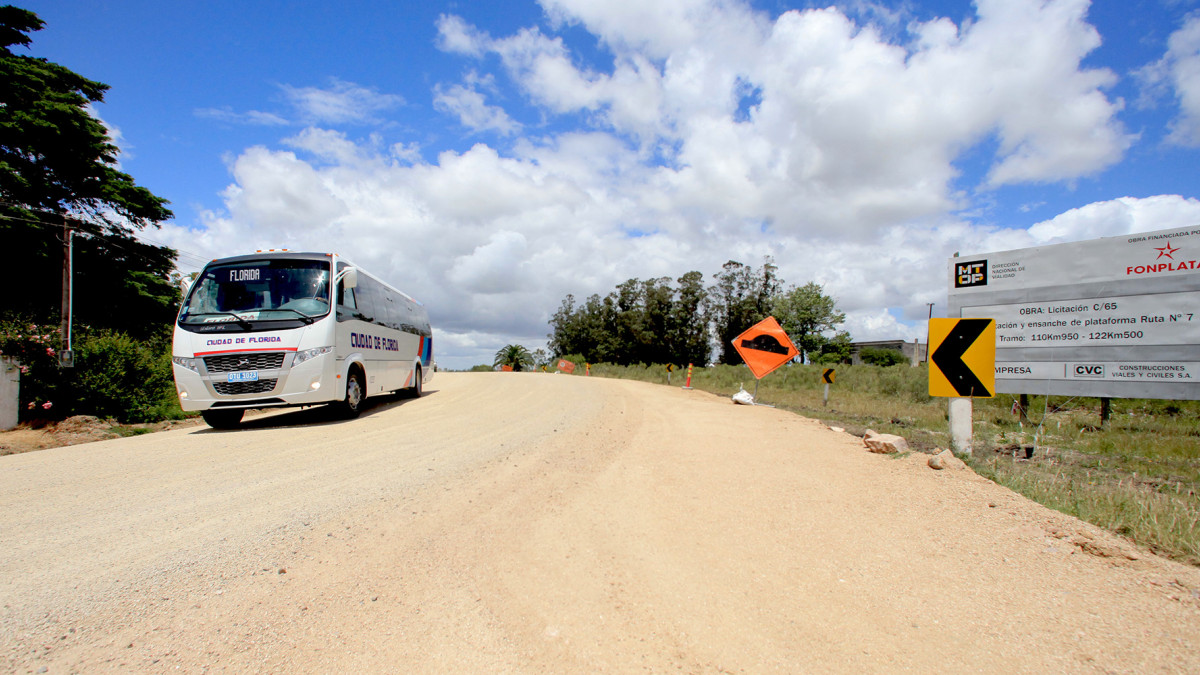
(491,157)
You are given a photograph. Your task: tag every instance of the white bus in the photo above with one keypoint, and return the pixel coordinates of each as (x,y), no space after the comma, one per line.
(263,330)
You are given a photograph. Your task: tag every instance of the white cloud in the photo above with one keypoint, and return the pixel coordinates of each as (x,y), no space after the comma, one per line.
(280,198)
(115,136)
(815,122)
(1184,58)
(252,117)
(330,146)
(456,36)
(716,134)
(495,267)
(664,28)
(470,107)
(339,103)
(1116,217)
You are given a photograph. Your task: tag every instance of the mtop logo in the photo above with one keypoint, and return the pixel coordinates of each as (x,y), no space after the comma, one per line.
(970,274)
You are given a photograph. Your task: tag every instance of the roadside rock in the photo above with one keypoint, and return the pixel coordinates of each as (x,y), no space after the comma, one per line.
(885,444)
(946,460)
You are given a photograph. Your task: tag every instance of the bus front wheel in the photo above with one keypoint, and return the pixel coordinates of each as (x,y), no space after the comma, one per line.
(351,406)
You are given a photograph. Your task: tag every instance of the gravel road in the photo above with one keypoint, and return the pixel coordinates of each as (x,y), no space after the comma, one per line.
(528,523)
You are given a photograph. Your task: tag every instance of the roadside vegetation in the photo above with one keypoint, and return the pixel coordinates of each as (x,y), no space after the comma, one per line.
(60,182)
(1138,475)
(653,321)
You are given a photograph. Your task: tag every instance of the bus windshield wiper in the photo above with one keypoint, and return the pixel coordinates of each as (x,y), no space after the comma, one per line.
(306,318)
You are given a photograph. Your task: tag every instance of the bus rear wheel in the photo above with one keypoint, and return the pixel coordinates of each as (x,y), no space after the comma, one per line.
(352,405)
(415,390)
(223,418)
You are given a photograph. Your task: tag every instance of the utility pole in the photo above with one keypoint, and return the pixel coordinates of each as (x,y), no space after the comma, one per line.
(927,332)
(66,357)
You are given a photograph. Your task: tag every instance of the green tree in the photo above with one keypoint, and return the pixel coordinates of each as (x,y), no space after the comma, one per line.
(881,356)
(688,321)
(741,297)
(58,168)
(836,349)
(806,314)
(639,322)
(516,356)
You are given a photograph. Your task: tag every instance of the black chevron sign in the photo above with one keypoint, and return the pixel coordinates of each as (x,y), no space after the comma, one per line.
(964,356)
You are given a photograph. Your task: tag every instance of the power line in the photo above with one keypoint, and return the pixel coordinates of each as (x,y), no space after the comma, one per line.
(96,231)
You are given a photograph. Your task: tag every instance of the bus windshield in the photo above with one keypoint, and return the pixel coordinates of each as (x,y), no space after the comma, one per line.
(259,290)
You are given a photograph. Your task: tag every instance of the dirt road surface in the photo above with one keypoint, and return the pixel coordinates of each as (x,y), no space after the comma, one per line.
(529,523)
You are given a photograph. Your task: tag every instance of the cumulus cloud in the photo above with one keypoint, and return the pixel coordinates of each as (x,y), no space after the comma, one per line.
(1179,69)
(714,133)
(815,122)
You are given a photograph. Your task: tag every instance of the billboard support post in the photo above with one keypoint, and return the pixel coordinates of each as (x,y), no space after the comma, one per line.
(960,426)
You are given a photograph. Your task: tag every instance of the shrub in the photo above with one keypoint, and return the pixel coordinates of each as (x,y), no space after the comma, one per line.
(114,375)
(117,376)
(879,356)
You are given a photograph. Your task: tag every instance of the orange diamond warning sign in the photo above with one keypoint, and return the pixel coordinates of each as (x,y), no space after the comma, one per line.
(765,347)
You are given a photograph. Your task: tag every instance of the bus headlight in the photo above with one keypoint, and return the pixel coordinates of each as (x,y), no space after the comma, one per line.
(313,353)
(185,362)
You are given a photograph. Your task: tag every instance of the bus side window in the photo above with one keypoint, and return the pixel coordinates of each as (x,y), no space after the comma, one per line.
(388,315)
(346,303)
(409,323)
(370,299)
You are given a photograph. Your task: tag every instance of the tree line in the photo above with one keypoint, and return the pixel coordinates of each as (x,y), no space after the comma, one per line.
(657,321)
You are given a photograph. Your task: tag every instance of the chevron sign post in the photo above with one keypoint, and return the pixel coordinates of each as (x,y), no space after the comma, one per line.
(962,366)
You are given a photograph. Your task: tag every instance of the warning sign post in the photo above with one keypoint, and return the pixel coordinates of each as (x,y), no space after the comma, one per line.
(765,347)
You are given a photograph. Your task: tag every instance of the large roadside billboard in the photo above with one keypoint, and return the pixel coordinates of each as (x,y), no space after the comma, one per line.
(1116,317)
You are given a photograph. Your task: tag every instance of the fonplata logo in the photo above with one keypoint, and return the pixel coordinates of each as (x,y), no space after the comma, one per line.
(1171,264)
(970,274)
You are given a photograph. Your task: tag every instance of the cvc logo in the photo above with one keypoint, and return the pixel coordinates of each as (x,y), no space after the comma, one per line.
(970,274)
(1089,370)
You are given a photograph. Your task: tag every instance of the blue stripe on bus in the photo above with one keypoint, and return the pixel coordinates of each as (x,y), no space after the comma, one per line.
(425,350)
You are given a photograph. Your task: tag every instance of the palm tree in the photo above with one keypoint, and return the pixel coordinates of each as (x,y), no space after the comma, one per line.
(514,355)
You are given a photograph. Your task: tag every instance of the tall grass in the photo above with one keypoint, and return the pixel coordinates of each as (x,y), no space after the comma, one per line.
(1137,476)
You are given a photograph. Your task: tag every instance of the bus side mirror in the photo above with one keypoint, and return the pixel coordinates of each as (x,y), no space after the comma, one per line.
(350,277)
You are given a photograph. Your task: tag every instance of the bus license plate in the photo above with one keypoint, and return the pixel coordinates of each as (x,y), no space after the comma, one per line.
(244,376)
